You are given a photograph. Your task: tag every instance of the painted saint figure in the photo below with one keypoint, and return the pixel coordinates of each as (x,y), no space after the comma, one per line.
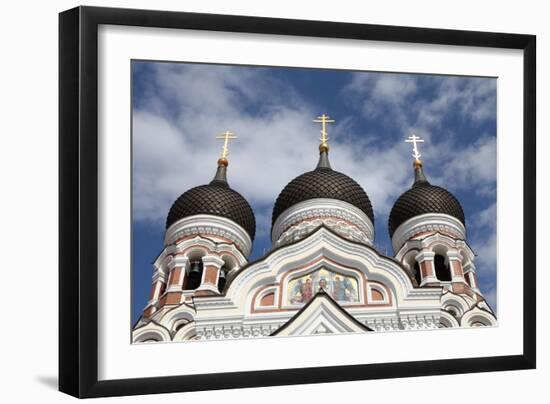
(307,291)
(296,296)
(323,284)
(349,291)
(339,293)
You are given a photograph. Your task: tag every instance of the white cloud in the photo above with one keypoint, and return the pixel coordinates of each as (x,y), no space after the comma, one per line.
(378,94)
(185,106)
(486,218)
(484,239)
(396,99)
(472,167)
(473,98)
(486,250)
(175,146)
(384,173)
(421,104)
(174,153)
(386,88)
(491,297)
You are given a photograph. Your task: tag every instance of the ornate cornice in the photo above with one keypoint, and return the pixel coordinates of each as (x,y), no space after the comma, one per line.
(429,222)
(209,225)
(343,217)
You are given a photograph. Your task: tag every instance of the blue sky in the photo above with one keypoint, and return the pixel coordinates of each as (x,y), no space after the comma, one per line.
(179,108)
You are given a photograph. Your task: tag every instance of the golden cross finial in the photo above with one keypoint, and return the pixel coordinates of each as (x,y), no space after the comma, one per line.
(416,154)
(414,140)
(226,136)
(323,120)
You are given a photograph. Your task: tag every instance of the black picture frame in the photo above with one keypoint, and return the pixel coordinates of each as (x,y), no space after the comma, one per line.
(78,200)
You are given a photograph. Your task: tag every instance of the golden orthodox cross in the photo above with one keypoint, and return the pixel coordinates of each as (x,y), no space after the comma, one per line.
(414,140)
(323,120)
(226,136)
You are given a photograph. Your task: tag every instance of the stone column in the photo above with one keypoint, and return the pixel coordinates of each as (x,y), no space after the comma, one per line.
(175,281)
(470,272)
(178,268)
(427,270)
(455,265)
(159,281)
(210,274)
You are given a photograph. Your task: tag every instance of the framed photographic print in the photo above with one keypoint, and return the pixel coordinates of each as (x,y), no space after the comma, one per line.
(251,201)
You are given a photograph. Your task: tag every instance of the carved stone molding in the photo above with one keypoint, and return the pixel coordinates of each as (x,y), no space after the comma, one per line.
(346,219)
(429,222)
(210,225)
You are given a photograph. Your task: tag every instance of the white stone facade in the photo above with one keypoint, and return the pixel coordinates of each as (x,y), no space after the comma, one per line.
(255,302)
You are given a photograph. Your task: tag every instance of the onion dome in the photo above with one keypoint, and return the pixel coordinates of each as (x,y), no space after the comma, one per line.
(322,197)
(423,198)
(215,198)
(323,182)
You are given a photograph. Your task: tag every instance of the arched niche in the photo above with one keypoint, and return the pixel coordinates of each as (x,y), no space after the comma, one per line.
(477,317)
(412,265)
(151,332)
(196,268)
(229,264)
(441,263)
(446,320)
(266,299)
(378,294)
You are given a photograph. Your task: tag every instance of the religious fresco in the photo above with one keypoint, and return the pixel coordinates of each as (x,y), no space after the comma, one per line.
(342,288)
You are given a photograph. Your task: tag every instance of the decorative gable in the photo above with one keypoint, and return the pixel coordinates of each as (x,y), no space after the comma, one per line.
(322,315)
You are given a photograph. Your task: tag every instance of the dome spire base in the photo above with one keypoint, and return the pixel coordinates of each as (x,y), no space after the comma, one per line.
(419,176)
(323,160)
(221,175)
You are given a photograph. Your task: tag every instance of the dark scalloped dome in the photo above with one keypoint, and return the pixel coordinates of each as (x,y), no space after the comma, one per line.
(216,199)
(424,198)
(322,182)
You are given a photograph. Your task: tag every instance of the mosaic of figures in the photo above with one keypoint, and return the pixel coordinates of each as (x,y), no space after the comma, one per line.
(340,287)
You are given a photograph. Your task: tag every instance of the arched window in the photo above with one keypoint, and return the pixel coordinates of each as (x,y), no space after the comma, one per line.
(412,265)
(442,270)
(453,311)
(229,263)
(222,278)
(195,274)
(179,325)
(417,274)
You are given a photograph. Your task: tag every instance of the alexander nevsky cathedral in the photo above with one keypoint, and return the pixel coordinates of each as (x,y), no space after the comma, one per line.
(322,274)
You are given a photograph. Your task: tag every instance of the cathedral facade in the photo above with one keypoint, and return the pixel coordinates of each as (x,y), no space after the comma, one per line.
(322,274)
